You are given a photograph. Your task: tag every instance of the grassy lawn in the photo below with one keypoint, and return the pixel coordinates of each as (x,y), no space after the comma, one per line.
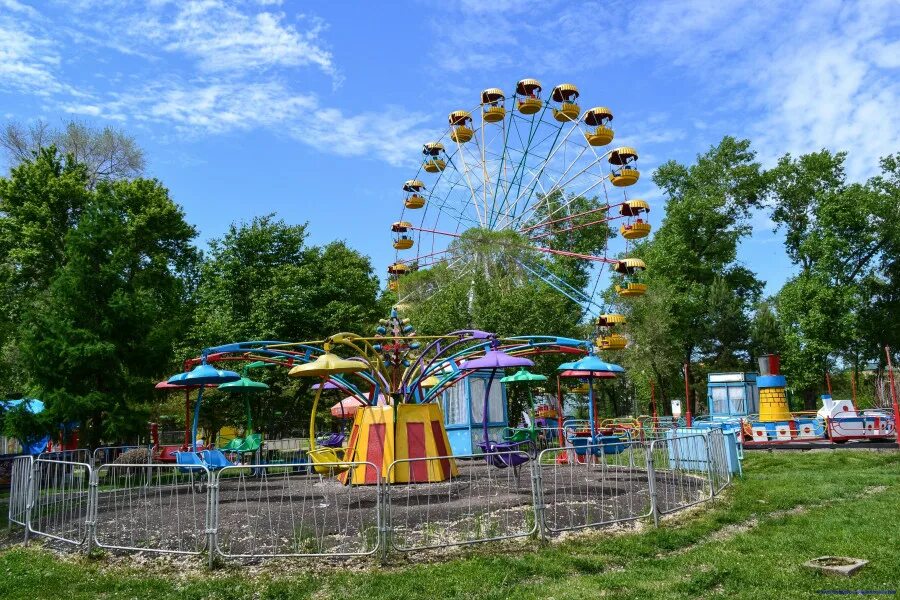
(790,507)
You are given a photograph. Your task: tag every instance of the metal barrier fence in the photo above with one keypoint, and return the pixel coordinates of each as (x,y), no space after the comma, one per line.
(290,510)
(107,454)
(151,507)
(19,489)
(60,501)
(79,455)
(478,503)
(680,472)
(593,485)
(303,509)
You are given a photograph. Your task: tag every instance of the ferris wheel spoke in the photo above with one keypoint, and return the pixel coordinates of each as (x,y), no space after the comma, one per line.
(534,166)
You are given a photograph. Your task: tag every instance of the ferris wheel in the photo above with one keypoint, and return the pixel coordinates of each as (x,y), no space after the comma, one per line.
(522,171)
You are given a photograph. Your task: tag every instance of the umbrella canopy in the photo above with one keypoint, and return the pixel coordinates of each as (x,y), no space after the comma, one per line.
(32,405)
(347,407)
(203,374)
(591,363)
(523,376)
(495,359)
(328,385)
(586,374)
(430,381)
(328,364)
(165,385)
(243,385)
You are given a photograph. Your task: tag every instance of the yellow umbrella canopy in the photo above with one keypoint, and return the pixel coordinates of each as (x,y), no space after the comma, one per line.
(430,381)
(326,365)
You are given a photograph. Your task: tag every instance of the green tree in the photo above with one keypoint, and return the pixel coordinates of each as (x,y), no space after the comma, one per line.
(102,333)
(844,239)
(706,292)
(40,202)
(262,281)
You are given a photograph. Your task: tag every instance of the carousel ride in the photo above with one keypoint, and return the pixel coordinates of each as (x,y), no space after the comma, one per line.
(524,176)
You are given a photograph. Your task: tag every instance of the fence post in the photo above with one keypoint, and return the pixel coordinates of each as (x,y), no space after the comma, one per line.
(709,466)
(537,496)
(383,512)
(212,516)
(651,483)
(91,522)
(29,498)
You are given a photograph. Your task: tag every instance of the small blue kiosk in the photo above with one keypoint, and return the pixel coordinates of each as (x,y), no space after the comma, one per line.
(732,395)
(463,418)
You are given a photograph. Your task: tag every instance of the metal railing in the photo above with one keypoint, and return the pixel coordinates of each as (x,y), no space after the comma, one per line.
(80,455)
(19,489)
(478,503)
(293,508)
(60,500)
(593,485)
(680,472)
(108,454)
(161,508)
(271,510)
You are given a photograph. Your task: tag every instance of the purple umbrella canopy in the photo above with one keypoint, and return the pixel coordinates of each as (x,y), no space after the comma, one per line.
(328,385)
(495,359)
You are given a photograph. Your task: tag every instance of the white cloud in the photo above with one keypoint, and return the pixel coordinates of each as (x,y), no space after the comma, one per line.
(795,78)
(237,55)
(197,108)
(28,61)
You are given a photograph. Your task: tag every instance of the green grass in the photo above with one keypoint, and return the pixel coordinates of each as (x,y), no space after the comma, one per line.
(789,508)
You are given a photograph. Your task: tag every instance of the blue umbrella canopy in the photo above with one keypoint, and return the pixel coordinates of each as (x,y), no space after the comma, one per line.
(591,363)
(203,375)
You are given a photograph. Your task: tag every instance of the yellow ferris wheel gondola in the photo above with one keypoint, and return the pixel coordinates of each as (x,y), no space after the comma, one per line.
(398,269)
(598,119)
(414,198)
(402,240)
(629,267)
(492,109)
(626,174)
(433,162)
(528,93)
(636,228)
(460,126)
(565,95)
(607,339)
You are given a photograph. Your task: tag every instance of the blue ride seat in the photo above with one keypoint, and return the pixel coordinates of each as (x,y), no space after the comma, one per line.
(188,461)
(505,454)
(214,460)
(334,440)
(602,444)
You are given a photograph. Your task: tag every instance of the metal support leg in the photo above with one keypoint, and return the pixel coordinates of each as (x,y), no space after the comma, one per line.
(651,483)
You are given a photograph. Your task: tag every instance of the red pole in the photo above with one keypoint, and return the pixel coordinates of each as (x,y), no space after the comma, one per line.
(687,395)
(887,352)
(559,409)
(653,405)
(853,388)
(828,382)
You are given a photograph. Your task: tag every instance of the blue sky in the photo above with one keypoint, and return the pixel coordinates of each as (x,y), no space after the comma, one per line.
(317,111)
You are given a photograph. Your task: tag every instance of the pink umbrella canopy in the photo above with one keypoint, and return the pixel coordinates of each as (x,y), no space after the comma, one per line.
(346,408)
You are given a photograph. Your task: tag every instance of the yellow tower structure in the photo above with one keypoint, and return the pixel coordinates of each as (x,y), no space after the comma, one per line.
(773,404)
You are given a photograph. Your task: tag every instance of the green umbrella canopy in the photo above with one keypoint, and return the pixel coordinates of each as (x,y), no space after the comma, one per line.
(243,385)
(523,376)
